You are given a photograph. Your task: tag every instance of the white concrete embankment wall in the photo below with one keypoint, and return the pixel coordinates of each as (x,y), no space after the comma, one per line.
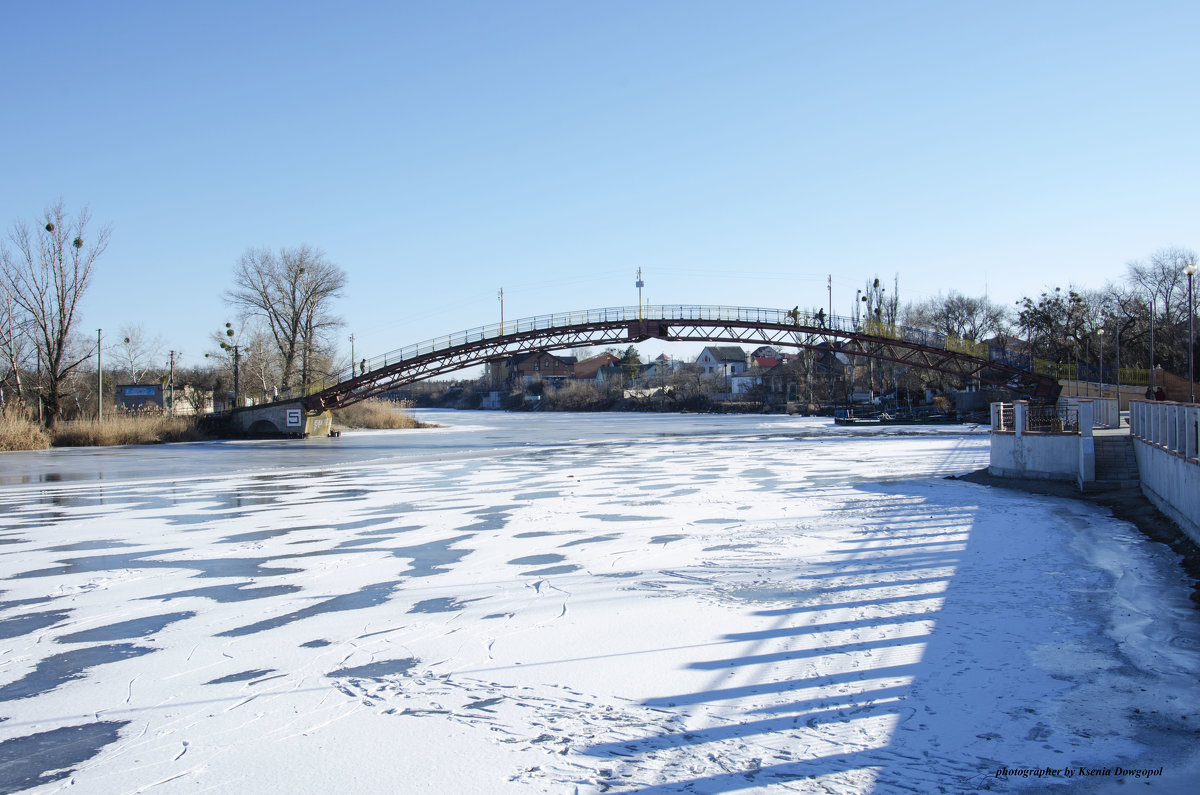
(1168,454)
(1038,456)
(1017,452)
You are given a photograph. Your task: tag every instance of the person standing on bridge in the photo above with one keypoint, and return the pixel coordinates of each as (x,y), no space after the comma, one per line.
(363,367)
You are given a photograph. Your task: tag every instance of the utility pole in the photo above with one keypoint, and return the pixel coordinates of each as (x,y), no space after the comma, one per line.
(171,386)
(502,311)
(39,384)
(351,355)
(99,378)
(831,300)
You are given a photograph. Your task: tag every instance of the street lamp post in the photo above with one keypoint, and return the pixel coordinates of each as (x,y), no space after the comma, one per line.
(1101,334)
(1190,270)
(1118,361)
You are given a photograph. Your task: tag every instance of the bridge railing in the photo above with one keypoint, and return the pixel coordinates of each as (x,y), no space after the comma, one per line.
(623,314)
(692,313)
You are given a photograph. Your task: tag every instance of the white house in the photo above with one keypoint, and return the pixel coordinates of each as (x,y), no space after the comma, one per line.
(722,360)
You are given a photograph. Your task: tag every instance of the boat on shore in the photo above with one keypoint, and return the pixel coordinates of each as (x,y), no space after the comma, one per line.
(912,416)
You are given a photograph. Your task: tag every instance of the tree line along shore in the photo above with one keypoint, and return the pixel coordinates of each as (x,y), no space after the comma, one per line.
(282,332)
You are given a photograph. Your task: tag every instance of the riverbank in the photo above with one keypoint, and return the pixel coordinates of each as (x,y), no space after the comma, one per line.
(19,432)
(1128,504)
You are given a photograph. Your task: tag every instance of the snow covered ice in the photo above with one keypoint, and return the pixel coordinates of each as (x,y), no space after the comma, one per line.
(562,603)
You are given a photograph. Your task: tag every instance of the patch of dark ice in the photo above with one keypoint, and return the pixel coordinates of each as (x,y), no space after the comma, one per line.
(442,604)
(370,596)
(621,517)
(58,669)
(391,530)
(537,495)
(238,592)
(126,630)
(31,622)
(213,567)
(590,540)
(536,560)
(35,600)
(376,670)
(487,521)
(41,758)
(564,569)
(83,546)
(432,557)
(241,676)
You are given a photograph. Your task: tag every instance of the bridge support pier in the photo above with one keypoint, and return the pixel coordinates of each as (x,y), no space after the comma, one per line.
(288,419)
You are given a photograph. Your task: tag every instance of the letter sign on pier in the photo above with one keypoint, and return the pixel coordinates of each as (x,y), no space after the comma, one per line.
(294,418)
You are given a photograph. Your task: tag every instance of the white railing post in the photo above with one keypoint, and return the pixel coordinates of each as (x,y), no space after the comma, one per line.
(1020,410)
(1086,416)
(1178,437)
(1193,432)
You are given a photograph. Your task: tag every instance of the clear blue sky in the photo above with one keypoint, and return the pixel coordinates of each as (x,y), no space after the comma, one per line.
(738,152)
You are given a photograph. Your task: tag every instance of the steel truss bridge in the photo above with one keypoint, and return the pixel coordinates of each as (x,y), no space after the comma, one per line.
(779,328)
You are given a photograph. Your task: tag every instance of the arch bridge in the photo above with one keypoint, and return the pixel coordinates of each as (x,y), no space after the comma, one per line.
(907,346)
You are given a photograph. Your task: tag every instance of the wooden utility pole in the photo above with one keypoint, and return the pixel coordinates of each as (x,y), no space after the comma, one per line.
(171,386)
(99,378)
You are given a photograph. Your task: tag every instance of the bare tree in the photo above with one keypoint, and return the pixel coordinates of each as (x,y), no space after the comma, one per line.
(47,274)
(136,352)
(1160,278)
(956,315)
(15,345)
(291,291)
(258,360)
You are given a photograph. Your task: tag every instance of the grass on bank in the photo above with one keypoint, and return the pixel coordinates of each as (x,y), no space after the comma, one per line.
(126,429)
(376,415)
(19,431)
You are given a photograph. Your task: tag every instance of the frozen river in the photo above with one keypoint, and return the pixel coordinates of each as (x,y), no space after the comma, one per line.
(567,602)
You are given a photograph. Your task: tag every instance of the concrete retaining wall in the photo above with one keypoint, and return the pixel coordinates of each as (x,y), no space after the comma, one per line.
(1039,456)
(1019,453)
(1167,445)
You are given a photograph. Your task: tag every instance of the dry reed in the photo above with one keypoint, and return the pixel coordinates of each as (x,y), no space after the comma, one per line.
(126,429)
(19,432)
(376,415)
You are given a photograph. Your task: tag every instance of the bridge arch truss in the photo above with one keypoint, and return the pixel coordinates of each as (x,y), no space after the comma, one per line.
(902,345)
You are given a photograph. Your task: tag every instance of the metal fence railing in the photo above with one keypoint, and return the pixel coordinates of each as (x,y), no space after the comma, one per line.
(1037,418)
(1043,418)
